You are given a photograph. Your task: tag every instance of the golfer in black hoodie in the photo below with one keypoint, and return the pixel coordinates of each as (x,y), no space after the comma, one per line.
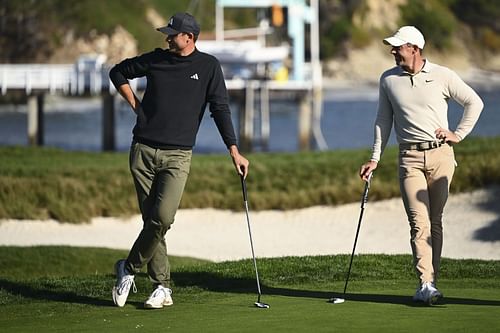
(180,83)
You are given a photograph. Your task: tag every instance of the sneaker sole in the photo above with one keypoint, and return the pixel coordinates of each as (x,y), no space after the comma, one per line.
(152,306)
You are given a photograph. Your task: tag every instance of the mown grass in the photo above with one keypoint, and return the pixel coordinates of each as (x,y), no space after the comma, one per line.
(41,183)
(71,292)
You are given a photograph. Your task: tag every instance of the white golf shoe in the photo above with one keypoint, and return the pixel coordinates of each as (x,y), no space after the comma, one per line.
(160,297)
(427,293)
(124,281)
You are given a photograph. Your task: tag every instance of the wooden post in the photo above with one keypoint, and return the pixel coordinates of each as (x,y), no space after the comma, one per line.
(35,120)
(305,114)
(108,122)
(246,118)
(265,126)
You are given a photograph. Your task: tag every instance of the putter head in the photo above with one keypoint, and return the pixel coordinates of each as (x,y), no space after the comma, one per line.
(261,305)
(336,300)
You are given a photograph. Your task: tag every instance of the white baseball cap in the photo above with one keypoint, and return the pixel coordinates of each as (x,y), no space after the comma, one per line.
(406,34)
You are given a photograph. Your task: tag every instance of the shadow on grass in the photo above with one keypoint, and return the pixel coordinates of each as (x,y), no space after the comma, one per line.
(400,300)
(490,233)
(216,283)
(28,291)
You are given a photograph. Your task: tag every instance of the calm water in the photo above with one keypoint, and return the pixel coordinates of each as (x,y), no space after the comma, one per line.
(347,122)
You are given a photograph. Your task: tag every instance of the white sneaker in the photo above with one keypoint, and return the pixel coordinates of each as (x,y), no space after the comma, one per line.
(160,297)
(427,293)
(124,281)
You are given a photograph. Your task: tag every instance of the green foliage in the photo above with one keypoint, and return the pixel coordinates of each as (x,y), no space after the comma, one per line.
(360,37)
(41,183)
(482,17)
(235,18)
(30,31)
(489,38)
(69,187)
(475,169)
(477,13)
(64,261)
(433,19)
(337,33)
(334,36)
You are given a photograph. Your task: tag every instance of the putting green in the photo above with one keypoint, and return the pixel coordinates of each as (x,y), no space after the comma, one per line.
(464,310)
(219,297)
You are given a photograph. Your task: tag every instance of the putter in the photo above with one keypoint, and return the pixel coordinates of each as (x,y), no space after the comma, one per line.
(364,200)
(258,304)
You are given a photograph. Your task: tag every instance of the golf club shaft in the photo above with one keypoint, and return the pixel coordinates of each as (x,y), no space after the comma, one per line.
(364,200)
(244,188)
(353,250)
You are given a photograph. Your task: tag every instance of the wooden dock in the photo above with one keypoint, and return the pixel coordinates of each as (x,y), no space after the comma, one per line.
(252,97)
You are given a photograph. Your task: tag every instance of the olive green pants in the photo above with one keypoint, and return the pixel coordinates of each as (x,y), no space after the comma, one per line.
(425,178)
(159,179)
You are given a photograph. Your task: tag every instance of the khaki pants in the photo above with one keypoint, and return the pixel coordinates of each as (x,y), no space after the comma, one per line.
(425,178)
(159,179)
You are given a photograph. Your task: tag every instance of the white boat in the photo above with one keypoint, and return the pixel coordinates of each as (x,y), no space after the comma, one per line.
(250,51)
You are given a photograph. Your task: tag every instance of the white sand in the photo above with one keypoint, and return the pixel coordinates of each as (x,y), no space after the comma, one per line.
(223,235)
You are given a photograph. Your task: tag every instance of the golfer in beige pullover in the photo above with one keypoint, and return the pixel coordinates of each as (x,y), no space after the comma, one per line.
(414,97)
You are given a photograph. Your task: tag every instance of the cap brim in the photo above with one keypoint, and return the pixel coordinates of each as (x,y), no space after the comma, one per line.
(393,41)
(168,31)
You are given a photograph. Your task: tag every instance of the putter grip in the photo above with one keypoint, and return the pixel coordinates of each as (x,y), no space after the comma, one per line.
(364,200)
(244,188)
(365,195)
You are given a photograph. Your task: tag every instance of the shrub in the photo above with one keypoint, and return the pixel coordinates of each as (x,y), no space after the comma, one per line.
(490,39)
(433,19)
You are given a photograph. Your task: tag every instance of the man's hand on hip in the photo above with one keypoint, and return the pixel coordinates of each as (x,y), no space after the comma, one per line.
(446,136)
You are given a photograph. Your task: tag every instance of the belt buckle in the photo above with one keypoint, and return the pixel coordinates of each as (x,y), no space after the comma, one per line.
(421,146)
(429,145)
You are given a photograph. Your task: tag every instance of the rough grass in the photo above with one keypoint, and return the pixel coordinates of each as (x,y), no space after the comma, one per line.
(41,183)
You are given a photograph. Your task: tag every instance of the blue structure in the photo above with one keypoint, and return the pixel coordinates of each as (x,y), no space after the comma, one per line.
(298,14)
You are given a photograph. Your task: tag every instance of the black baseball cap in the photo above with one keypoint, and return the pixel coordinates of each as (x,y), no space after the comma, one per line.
(181,22)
